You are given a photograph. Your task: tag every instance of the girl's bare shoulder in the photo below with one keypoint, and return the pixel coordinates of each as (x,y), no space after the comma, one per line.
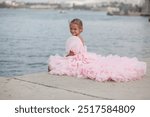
(82,40)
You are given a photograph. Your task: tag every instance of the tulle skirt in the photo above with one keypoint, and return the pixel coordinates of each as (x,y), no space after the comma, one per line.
(97,67)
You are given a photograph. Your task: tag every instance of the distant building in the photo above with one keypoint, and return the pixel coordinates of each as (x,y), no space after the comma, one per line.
(146,8)
(13,3)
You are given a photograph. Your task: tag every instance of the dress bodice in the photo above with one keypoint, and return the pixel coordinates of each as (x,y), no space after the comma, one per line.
(74,44)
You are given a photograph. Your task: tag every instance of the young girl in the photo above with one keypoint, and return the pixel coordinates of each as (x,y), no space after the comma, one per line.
(76,27)
(80,63)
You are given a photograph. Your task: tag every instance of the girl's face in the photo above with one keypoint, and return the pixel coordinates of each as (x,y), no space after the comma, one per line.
(75,29)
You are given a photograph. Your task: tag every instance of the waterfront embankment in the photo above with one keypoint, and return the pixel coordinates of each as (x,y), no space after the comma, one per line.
(44,86)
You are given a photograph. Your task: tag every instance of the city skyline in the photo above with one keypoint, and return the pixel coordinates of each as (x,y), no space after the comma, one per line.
(79,1)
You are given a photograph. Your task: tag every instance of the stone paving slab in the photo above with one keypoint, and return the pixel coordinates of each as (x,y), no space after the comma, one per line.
(18,89)
(102,90)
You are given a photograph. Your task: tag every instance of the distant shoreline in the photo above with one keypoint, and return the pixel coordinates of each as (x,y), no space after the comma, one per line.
(113,8)
(102,10)
(54,6)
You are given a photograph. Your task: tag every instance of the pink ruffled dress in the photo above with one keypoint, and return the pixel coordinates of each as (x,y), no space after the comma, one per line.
(93,66)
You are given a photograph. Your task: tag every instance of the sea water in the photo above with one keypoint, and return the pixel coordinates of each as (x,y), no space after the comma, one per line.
(29,36)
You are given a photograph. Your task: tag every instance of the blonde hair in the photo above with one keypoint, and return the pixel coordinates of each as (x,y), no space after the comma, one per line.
(77,21)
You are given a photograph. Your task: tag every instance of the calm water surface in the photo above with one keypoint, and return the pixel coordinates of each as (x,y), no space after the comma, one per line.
(29,36)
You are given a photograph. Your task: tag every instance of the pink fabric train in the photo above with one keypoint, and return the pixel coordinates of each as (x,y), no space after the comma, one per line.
(96,67)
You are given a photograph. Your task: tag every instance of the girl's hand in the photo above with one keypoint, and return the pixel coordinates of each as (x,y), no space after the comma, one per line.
(71,53)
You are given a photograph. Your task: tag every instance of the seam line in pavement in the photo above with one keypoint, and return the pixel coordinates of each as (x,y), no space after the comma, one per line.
(63,89)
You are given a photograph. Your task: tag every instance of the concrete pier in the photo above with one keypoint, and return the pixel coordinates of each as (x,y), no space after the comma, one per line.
(43,86)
